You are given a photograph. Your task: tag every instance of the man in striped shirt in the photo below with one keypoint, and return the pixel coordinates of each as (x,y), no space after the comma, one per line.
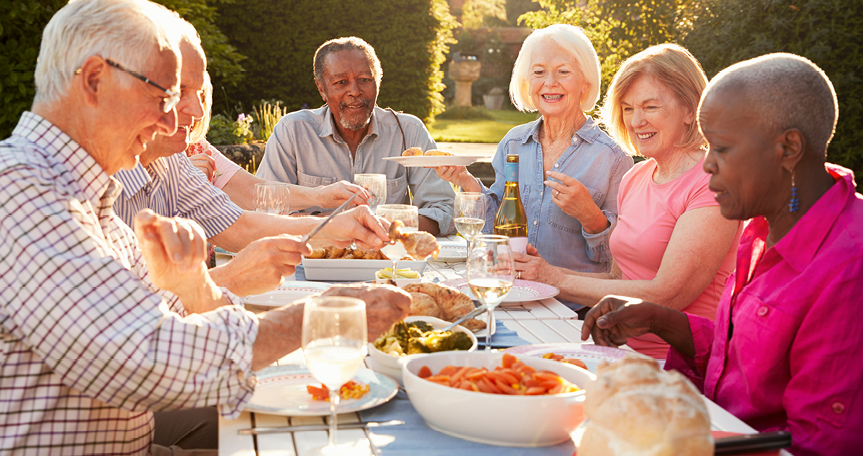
(168,183)
(95,332)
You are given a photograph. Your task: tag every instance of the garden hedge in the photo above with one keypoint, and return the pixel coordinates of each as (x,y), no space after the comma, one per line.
(280,37)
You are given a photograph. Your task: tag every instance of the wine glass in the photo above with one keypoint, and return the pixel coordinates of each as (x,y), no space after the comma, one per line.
(490,272)
(408,215)
(272,197)
(334,337)
(469,214)
(376,185)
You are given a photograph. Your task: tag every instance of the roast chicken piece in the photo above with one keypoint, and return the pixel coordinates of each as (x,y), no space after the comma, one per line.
(451,303)
(418,244)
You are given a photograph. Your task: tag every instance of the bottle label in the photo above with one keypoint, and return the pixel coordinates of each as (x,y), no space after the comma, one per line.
(518,244)
(511,171)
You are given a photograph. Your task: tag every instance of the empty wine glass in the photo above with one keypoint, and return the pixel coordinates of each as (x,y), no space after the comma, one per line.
(408,215)
(490,272)
(334,337)
(272,197)
(469,214)
(376,185)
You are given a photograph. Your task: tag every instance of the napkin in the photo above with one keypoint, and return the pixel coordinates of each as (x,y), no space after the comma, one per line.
(503,337)
(415,437)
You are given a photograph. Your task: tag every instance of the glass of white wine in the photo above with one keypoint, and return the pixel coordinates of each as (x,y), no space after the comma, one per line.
(469,214)
(408,215)
(334,337)
(376,185)
(490,272)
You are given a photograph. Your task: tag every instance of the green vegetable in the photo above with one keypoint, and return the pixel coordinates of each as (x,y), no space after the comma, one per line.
(420,337)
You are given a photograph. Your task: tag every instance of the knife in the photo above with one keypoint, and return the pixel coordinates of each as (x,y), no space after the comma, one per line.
(466,317)
(339,209)
(317,427)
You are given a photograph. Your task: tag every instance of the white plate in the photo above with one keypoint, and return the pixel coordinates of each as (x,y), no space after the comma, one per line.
(282,390)
(452,253)
(352,270)
(436,160)
(590,354)
(286,294)
(522,290)
(222,251)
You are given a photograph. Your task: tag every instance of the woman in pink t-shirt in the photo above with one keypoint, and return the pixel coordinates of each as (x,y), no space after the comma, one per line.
(671,246)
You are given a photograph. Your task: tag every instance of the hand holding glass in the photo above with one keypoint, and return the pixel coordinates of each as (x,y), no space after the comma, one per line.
(334,337)
(408,215)
(469,214)
(490,272)
(272,197)
(376,185)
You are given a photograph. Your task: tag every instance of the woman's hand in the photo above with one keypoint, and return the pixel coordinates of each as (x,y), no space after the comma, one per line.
(531,266)
(458,175)
(617,318)
(205,163)
(573,198)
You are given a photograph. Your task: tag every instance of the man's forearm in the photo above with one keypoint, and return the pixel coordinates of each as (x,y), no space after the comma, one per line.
(252,226)
(280,333)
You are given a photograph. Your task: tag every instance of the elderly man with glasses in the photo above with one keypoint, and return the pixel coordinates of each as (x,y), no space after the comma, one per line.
(96,331)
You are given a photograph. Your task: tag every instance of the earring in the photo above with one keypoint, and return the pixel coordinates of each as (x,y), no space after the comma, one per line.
(794,205)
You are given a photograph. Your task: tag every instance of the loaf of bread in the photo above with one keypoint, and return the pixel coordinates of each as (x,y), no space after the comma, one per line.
(636,409)
(412,152)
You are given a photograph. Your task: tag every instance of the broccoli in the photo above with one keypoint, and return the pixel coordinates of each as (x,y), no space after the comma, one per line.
(422,326)
(446,340)
(421,337)
(417,345)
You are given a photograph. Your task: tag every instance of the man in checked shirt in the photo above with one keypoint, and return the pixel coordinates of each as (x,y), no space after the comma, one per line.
(95,332)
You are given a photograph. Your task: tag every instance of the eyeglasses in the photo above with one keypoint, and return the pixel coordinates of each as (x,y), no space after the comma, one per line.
(173,96)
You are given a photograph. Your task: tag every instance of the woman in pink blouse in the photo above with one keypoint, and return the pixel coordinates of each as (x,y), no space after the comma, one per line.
(785,350)
(671,246)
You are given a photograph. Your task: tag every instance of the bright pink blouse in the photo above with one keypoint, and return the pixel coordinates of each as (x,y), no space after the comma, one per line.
(794,360)
(648,214)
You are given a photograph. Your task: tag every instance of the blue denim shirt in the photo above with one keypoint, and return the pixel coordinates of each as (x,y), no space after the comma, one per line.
(595,160)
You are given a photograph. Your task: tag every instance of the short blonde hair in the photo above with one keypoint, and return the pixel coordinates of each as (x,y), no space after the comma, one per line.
(673,66)
(572,40)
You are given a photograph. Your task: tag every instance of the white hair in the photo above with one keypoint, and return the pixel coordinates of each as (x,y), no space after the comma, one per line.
(188,33)
(572,40)
(129,32)
(784,91)
(199,130)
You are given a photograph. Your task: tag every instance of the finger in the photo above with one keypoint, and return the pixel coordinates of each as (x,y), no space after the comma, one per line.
(563,178)
(292,245)
(176,241)
(589,323)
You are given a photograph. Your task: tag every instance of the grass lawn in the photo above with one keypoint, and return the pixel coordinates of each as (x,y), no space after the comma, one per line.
(479,130)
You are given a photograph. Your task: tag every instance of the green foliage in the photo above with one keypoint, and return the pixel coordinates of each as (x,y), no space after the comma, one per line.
(464,112)
(225,132)
(723,32)
(281,36)
(267,115)
(21,24)
(483,13)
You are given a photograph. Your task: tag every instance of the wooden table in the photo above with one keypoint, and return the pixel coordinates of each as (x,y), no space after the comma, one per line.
(544,321)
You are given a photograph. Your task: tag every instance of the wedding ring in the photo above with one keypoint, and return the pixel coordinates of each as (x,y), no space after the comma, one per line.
(518,275)
(556,193)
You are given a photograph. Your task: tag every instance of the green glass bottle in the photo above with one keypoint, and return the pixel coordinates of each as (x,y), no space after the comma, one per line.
(511,219)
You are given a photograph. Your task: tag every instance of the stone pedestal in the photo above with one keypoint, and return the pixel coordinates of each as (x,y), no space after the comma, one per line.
(464,72)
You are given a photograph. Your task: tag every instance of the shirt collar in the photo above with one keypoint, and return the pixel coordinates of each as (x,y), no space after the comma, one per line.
(93,181)
(588,132)
(800,245)
(135,179)
(328,127)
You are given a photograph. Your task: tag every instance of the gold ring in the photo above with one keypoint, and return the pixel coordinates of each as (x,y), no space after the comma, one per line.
(518,275)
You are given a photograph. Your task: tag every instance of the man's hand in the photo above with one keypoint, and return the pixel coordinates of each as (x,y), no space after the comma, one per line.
(357,225)
(616,318)
(385,304)
(333,195)
(174,250)
(260,267)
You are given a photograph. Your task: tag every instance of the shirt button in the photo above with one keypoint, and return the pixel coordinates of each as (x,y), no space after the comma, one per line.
(838,408)
(557,165)
(534,223)
(763,311)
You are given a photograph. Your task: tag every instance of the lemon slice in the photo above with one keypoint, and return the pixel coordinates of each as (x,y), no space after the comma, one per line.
(387,273)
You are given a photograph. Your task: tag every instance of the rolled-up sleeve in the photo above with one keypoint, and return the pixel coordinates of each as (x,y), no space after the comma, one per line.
(597,244)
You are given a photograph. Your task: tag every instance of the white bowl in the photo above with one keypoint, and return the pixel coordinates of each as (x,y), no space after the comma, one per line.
(400,282)
(496,419)
(392,365)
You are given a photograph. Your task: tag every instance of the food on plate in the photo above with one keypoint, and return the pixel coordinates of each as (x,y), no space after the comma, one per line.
(418,244)
(451,304)
(635,408)
(573,361)
(412,152)
(512,377)
(338,253)
(423,304)
(406,273)
(435,152)
(350,390)
(420,337)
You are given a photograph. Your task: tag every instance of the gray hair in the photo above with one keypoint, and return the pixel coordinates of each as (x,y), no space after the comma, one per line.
(129,32)
(572,40)
(784,91)
(350,43)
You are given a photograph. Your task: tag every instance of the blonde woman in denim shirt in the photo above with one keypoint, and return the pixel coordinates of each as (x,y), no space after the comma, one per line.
(569,169)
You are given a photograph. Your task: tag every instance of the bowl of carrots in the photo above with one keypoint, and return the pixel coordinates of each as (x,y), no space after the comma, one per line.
(496,398)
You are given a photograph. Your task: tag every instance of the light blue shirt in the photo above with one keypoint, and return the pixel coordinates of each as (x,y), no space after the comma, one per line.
(172,187)
(306,149)
(595,160)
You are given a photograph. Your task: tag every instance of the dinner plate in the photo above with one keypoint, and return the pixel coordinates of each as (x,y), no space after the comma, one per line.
(282,390)
(590,354)
(287,293)
(522,290)
(451,253)
(436,160)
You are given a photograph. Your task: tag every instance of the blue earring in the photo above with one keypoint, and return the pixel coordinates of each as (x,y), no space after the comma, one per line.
(794,205)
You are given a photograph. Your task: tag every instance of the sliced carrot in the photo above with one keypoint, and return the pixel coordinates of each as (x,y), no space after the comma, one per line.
(484,387)
(458,375)
(535,391)
(557,389)
(575,362)
(448,370)
(546,376)
(526,370)
(321,393)
(439,379)
(549,384)
(466,385)
(476,375)
(506,389)
(511,377)
(529,382)
(494,376)
(490,385)
(424,372)
(508,360)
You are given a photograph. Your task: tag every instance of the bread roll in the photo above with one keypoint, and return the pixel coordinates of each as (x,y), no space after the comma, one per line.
(433,152)
(637,409)
(412,152)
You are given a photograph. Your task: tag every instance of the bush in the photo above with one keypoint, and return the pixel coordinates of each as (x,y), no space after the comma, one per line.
(464,112)
(280,38)
(224,132)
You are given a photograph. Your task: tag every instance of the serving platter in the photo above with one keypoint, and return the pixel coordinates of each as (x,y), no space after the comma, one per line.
(451,253)
(352,270)
(522,290)
(281,390)
(435,160)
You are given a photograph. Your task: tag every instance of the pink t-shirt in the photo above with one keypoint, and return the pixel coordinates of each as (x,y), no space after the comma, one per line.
(648,214)
(225,168)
